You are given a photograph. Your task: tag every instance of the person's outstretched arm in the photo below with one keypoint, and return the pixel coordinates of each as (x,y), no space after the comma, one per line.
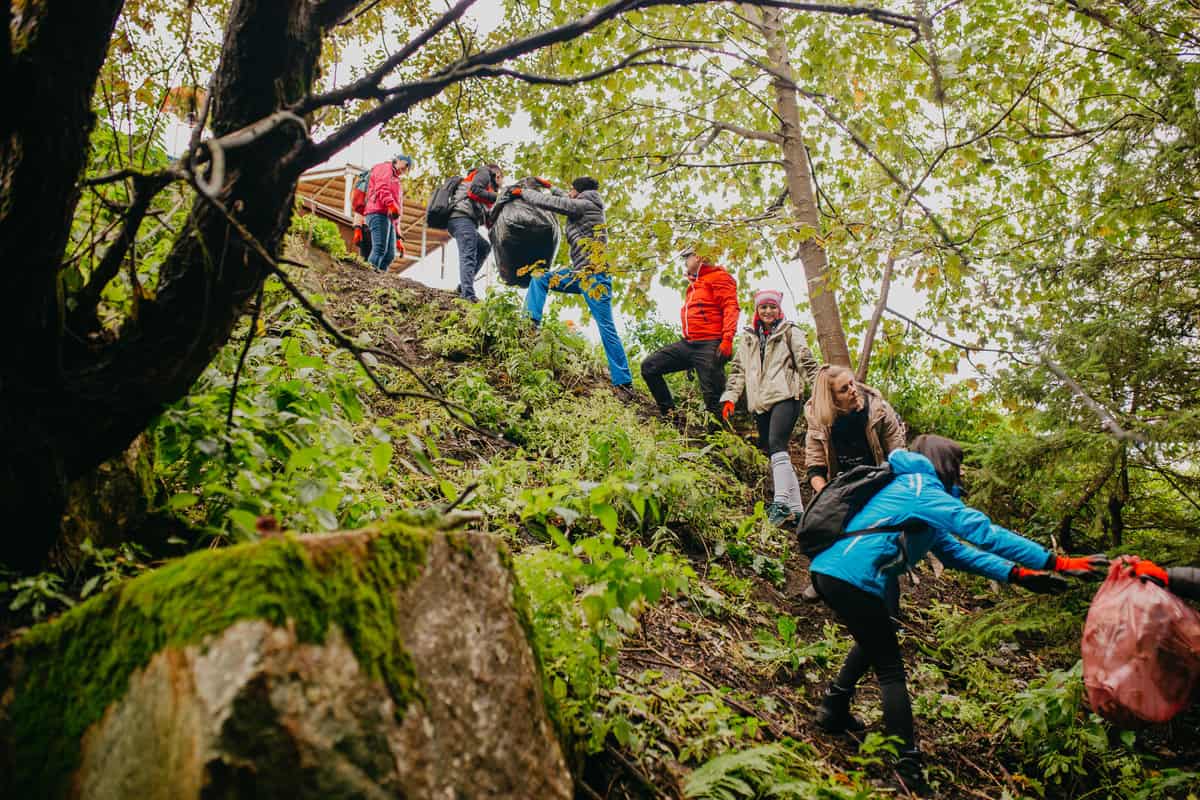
(735,383)
(558,203)
(1183,581)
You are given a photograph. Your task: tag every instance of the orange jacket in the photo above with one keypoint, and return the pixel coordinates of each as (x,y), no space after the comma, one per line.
(710,310)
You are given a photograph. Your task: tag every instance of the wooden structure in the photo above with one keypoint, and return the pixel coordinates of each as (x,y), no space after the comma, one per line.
(326,193)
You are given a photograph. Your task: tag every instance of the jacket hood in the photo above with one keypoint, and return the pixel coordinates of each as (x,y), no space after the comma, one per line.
(905,463)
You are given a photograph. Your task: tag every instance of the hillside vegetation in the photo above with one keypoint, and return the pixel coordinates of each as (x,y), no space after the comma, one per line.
(678,658)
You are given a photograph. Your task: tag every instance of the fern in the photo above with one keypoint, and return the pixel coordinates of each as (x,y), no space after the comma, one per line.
(738,775)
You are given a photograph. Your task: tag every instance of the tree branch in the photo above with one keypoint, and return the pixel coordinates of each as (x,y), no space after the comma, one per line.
(747,133)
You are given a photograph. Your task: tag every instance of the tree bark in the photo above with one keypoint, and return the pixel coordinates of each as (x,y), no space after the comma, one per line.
(802,192)
(69,403)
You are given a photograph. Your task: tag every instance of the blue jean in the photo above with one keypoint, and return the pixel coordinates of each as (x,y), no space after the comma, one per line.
(567,282)
(383,241)
(473,250)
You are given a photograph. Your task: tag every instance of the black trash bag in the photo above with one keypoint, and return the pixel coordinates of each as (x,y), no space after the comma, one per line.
(524,238)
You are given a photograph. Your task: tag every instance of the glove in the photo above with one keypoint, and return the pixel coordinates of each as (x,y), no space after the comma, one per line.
(1037,581)
(1088,568)
(1149,571)
(726,410)
(516,191)
(357,235)
(726,348)
(399,246)
(544,182)
(393,210)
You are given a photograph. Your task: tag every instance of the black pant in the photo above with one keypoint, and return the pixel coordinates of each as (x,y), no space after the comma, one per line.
(775,426)
(703,357)
(875,646)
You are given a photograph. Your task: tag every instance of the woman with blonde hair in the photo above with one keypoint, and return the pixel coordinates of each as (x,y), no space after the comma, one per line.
(849,424)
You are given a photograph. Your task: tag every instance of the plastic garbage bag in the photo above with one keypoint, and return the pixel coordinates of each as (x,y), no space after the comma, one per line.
(1141,649)
(524,238)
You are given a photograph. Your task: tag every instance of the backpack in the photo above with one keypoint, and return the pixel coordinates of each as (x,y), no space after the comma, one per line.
(437,213)
(358,194)
(825,520)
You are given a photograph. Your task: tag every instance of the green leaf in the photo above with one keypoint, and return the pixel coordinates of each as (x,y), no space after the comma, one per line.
(607,516)
(381,458)
(182,500)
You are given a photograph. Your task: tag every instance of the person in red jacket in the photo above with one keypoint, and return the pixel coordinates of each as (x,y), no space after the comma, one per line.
(710,315)
(385,204)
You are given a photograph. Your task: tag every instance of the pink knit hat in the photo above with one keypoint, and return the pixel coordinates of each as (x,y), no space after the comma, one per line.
(769,296)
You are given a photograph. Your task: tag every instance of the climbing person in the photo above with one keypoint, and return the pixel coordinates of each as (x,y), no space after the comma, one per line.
(384,206)
(474,196)
(358,209)
(710,314)
(850,576)
(587,235)
(849,424)
(774,367)
(1182,581)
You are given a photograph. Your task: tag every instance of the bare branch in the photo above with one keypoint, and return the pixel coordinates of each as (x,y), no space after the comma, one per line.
(967,347)
(747,133)
(864,356)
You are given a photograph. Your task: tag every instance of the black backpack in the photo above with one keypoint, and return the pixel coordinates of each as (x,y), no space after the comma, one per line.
(437,213)
(826,518)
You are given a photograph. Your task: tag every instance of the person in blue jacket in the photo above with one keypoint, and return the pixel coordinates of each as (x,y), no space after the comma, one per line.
(851,576)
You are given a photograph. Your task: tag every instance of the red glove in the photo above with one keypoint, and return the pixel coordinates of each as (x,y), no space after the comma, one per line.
(393,210)
(726,348)
(544,182)
(399,246)
(1090,568)
(516,191)
(1149,571)
(357,235)
(726,410)
(1037,581)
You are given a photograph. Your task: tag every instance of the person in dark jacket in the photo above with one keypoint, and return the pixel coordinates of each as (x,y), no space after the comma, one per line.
(710,314)
(774,367)
(1183,581)
(587,234)
(474,196)
(851,575)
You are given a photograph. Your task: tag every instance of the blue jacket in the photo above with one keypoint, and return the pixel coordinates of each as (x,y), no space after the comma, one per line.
(917,494)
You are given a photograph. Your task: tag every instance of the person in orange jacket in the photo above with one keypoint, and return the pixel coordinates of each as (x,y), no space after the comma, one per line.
(710,315)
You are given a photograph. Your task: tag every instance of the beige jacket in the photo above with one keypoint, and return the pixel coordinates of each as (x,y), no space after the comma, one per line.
(785,373)
(885,433)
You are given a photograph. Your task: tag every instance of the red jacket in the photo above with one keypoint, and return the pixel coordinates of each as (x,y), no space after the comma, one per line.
(711,308)
(384,189)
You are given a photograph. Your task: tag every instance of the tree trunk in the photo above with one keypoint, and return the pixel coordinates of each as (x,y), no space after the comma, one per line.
(802,191)
(69,403)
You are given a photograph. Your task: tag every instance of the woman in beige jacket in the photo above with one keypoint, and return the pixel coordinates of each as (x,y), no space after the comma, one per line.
(774,367)
(849,424)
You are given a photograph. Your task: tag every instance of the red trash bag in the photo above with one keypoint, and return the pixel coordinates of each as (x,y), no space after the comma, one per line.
(1141,649)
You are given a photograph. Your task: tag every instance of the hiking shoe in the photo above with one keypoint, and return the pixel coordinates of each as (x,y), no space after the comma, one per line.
(911,769)
(624,392)
(779,514)
(833,715)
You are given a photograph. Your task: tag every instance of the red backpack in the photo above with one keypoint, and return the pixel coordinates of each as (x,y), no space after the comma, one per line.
(358,195)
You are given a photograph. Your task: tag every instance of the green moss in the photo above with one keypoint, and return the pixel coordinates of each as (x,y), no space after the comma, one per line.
(80,663)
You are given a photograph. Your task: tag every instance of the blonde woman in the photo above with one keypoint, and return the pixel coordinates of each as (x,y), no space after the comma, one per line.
(774,367)
(849,424)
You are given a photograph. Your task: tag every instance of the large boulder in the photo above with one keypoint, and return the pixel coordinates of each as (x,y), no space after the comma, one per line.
(391,662)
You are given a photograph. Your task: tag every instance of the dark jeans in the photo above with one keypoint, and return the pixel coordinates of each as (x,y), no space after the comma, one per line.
(875,647)
(775,426)
(383,241)
(700,356)
(473,250)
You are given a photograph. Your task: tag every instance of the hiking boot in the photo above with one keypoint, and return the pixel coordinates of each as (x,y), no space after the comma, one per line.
(779,514)
(625,393)
(833,715)
(911,769)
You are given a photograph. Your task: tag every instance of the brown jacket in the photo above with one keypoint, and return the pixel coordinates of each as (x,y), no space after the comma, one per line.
(885,433)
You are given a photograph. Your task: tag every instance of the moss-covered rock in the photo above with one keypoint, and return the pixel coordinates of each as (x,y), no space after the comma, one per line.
(387,662)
